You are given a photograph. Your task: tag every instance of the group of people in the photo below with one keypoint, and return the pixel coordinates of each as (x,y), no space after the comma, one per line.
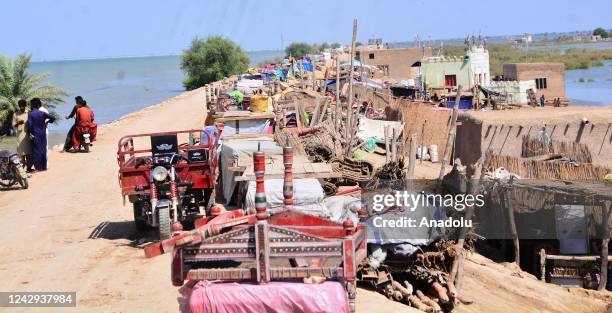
(31,126)
(31,129)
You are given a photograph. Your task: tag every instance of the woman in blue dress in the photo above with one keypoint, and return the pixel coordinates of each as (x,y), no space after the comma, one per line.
(37,129)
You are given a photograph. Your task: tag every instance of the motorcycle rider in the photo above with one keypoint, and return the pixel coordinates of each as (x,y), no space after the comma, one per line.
(84,121)
(68,144)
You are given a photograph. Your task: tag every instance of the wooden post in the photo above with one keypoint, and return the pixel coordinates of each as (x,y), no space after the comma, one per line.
(605,240)
(349,115)
(338,114)
(324,110)
(288,181)
(393,145)
(205,97)
(315,114)
(542,265)
(411,156)
(422,139)
(510,212)
(450,137)
(386,144)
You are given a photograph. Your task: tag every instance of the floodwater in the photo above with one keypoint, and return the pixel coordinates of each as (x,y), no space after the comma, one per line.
(117,86)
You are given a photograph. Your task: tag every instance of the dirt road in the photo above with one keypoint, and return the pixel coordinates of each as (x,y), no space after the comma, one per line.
(71,232)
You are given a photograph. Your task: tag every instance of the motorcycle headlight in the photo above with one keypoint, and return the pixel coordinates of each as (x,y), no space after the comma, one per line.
(15,159)
(159,173)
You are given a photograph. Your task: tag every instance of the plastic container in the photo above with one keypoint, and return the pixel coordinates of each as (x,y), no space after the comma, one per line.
(422,153)
(433,152)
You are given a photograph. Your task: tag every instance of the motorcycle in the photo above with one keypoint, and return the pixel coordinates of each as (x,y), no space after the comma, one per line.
(168,202)
(11,170)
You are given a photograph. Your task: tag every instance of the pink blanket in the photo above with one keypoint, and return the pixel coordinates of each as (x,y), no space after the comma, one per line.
(273,297)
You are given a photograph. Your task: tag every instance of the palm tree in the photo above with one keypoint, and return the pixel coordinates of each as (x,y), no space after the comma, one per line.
(17,83)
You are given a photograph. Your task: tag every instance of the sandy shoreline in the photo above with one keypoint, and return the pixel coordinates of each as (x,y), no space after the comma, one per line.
(71,232)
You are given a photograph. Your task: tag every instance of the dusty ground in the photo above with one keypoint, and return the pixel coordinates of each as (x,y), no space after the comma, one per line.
(70,232)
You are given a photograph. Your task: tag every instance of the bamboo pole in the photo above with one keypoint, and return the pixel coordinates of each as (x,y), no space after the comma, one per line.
(450,137)
(350,90)
(338,114)
(604,245)
(422,154)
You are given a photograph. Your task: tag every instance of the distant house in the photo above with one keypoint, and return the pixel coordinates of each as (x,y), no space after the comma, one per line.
(549,77)
(396,63)
(448,72)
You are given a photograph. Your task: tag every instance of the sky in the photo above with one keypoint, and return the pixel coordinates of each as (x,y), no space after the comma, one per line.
(58,29)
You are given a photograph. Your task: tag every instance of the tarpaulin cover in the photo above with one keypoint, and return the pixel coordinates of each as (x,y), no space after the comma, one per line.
(343,207)
(308,196)
(259,126)
(240,148)
(369,128)
(273,297)
(415,236)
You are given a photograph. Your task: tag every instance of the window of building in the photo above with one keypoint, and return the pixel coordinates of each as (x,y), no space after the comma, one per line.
(541,83)
(450,80)
(371,56)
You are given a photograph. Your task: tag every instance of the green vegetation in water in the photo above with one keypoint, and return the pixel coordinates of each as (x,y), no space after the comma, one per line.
(299,49)
(210,60)
(575,58)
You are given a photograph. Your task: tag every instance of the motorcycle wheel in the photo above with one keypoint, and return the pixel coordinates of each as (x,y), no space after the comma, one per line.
(165,223)
(23,182)
(141,225)
(21,178)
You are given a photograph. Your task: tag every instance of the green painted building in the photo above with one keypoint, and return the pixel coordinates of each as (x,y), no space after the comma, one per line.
(448,72)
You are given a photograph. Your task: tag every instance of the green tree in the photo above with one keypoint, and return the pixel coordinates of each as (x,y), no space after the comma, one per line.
(335,45)
(601,32)
(211,60)
(17,83)
(324,46)
(299,49)
(358,43)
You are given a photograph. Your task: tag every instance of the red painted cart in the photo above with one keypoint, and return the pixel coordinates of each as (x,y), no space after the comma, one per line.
(165,181)
(269,247)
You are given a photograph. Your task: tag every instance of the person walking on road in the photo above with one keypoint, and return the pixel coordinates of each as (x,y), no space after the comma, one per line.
(24,144)
(36,127)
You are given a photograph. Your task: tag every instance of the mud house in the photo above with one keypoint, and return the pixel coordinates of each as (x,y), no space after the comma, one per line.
(549,77)
(396,63)
(502,133)
(469,70)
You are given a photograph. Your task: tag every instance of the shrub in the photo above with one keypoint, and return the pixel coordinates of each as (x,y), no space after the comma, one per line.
(211,60)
